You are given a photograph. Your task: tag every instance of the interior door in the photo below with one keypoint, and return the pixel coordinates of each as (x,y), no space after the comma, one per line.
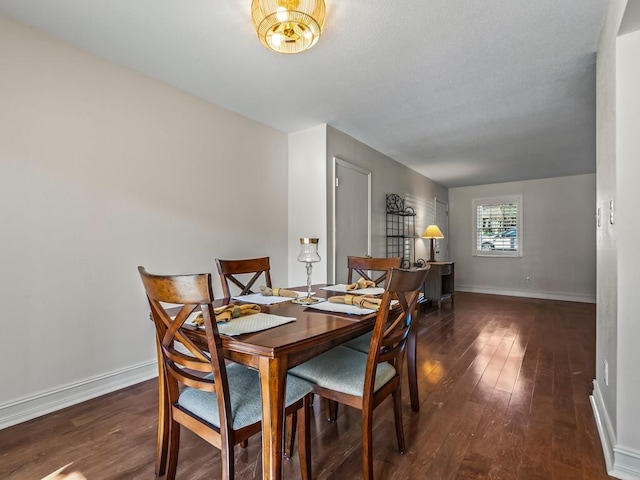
(442,220)
(352,215)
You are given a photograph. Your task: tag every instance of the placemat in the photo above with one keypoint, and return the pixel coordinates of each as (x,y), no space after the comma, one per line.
(248,323)
(341,287)
(266,300)
(341,308)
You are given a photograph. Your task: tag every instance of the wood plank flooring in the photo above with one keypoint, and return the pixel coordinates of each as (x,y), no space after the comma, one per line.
(504,391)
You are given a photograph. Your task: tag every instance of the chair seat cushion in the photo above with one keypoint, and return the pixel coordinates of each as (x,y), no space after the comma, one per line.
(244,393)
(342,369)
(361,343)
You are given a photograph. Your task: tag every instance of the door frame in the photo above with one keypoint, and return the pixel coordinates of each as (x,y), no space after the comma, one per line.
(338,161)
(446,209)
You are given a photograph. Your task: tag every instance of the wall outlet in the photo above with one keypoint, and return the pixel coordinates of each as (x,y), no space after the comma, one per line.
(528,279)
(606,373)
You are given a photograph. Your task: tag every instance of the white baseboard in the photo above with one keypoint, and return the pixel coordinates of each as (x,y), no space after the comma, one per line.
(622,463)
(605,427)
(568,297)
(626,465)
(46,402)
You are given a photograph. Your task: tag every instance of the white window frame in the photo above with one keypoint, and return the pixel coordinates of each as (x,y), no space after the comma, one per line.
(506,199)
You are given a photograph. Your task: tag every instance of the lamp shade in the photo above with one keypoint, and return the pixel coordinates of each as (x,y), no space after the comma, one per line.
(288,26)
(432,231)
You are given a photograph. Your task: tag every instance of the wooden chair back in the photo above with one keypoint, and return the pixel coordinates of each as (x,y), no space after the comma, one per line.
(336,374)
(192,293)
(389,338)
(229,271)
(203,367)
(362,265)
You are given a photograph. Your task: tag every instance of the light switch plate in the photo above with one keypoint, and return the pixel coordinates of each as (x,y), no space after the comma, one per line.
(611,212)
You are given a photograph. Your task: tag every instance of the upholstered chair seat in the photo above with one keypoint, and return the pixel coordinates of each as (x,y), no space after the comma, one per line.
(343,370)
(244,395)
(361,343)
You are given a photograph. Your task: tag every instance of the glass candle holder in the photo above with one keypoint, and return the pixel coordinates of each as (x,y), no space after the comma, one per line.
(308,255)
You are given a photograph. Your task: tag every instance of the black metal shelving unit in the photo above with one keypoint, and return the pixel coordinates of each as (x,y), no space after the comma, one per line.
(401,230)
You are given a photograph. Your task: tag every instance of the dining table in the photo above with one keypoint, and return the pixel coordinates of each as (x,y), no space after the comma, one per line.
(272,353)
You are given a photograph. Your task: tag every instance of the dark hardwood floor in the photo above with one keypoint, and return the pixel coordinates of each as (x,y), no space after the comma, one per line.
(504,391)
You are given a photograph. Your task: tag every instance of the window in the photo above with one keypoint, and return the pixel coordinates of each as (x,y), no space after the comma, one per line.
(497,226)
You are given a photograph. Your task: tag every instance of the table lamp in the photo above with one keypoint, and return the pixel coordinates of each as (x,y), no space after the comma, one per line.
(308,255)
(432,232)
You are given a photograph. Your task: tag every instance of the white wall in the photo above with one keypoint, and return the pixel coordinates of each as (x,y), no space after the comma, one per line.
(387,176)
(627,227)
(101,170)
(307,200)
(615,398)
(558,240)
(607,266)
(311,154)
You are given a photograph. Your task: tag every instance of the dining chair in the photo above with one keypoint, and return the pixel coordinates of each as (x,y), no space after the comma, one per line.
(362,344)
(362,265)
(361,380)
(219,402)
(230,270)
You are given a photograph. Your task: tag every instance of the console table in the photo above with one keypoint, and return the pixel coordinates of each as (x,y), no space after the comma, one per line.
(440,283)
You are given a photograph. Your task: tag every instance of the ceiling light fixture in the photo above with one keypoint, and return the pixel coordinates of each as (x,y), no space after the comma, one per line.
(288,26)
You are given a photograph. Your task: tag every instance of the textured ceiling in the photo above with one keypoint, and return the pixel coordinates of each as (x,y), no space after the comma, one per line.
(464,92)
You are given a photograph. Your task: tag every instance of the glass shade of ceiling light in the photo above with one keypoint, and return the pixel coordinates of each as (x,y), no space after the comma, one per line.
(288,26)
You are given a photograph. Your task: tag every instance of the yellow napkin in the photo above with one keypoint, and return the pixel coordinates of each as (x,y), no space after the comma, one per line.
(278,292)
(360,284)
(362,301)
(226,313)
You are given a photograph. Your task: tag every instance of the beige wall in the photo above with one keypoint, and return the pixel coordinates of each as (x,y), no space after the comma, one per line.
(102,169)
(558,240)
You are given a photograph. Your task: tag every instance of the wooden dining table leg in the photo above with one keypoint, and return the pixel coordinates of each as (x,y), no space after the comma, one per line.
(162,443)
(273,377)
(412,362)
